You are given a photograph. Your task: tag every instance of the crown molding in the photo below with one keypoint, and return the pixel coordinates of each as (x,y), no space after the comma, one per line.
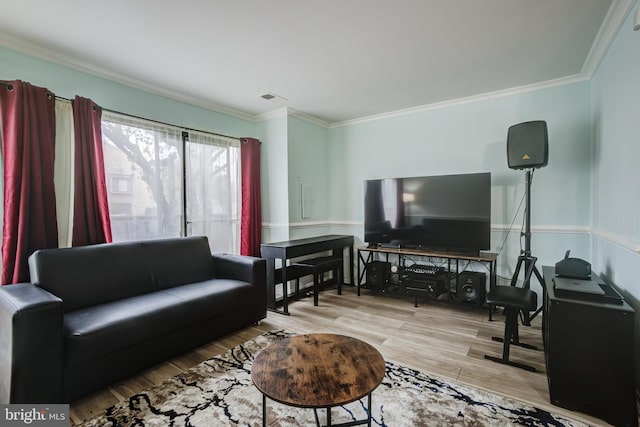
(309,118)
(612,23)
(576,78)
(425,107)
(85,67)
(290,112)
(610,27)
(273,114)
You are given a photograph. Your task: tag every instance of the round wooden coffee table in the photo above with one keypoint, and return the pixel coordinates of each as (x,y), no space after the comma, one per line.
(318,371)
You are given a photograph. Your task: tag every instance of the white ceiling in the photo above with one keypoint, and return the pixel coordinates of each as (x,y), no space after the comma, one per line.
(335,60)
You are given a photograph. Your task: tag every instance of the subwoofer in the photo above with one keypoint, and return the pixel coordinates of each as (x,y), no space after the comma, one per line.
(471,287)
(378,274)
(528,145)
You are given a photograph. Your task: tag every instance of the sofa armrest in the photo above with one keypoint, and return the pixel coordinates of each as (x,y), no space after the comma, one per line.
(31,359)
(248,269)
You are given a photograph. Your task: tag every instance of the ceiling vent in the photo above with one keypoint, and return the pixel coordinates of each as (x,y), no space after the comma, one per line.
(270,96)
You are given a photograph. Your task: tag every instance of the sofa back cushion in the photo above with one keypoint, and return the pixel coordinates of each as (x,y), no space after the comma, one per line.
(89,275)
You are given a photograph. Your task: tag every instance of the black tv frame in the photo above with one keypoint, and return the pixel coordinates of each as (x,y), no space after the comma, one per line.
(450,224)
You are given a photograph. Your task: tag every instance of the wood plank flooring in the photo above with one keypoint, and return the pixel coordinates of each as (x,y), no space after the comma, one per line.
(443,339)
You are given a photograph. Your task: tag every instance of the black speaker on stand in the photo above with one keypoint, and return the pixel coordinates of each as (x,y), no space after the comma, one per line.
(528,145)
(527,148)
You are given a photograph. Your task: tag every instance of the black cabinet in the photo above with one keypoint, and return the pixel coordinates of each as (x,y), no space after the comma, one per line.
(589,353)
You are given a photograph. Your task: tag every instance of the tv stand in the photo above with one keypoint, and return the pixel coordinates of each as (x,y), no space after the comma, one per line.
(400,256)
(426,249)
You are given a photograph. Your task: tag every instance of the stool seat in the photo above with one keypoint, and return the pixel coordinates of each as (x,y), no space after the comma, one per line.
(317,267)
(512,296)
(514,300)
(320,262)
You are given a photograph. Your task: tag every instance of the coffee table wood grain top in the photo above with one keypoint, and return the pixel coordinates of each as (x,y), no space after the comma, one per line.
(318,370)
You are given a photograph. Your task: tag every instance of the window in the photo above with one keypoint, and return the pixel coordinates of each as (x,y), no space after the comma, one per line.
(213,190)
(148,175)
(120,184)
(119,209)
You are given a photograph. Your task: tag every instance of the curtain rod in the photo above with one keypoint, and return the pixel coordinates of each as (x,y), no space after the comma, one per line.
(10,87)
(160,122)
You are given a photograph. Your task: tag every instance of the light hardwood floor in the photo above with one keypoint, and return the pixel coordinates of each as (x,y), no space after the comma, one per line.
(440,338)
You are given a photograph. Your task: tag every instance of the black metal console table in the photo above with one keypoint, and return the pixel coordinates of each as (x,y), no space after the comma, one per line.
(289,249)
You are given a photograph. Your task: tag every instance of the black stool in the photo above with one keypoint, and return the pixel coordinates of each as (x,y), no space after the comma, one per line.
(514,300)
(317,267)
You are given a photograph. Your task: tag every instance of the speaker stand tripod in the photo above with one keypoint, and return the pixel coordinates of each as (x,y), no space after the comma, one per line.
(525,257)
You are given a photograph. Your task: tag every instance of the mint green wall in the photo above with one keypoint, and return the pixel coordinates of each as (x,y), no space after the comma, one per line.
(616,168)
(279,135)
(68,83)
(294,153)
(469,138)
(616,171)
(274,172)
(308,151)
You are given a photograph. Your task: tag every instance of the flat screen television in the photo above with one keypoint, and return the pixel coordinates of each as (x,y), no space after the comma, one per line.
(444,213)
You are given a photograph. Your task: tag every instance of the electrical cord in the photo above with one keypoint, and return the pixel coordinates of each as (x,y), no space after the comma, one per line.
(524,216)
(515,215)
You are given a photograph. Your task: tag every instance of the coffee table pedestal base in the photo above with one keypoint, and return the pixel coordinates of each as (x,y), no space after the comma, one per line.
(366,421)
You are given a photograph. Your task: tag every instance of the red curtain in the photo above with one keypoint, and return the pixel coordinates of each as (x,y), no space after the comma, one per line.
(251,223)
(91,222)
(28,146)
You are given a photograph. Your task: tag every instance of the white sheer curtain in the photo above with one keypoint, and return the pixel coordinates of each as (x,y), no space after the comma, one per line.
(213,189)
(148,190)
(64,171)
(143,167)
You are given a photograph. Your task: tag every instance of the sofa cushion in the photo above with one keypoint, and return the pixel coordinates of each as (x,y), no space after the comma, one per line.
(96,274)
(93,332)
(211,297)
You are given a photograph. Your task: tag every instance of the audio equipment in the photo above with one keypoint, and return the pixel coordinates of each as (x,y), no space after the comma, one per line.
(378,274)
(430,287)
(528,145)
(424,280)
(423,269)
(395,282)
(471,287)
(575,268)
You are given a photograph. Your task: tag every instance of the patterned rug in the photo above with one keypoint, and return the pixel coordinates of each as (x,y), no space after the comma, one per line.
(219,392)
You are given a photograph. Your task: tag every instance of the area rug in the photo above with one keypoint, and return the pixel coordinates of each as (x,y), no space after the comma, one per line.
(219,392)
